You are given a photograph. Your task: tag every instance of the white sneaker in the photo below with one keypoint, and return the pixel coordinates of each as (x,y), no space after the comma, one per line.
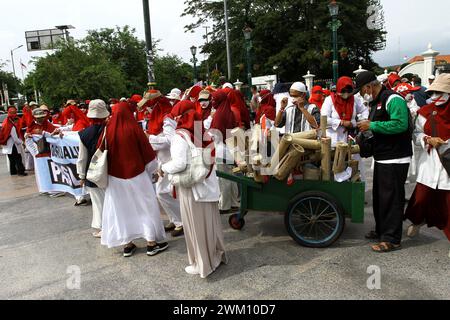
(413,230)
(192,270)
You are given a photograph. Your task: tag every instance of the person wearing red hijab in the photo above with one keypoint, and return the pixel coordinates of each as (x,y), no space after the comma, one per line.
(58,118)
(12,140)
(199,204)
(240,111)
(318,97)
(341,109)
(204,106)
(130,210)
(267,108)
(140,115)
(161,130)
(80,120)
(217,125)
(430,203)
(393,81)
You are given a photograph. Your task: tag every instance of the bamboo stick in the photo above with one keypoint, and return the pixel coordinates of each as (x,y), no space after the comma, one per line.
(312,134)
(281,151)
(289,162)
(323,126)
(340,157)
(308,144)
(326,159)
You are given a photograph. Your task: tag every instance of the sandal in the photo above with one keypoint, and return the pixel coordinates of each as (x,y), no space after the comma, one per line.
(372,235)
(384,247)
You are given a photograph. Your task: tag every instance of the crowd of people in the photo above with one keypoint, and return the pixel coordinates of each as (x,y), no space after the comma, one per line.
(150,140)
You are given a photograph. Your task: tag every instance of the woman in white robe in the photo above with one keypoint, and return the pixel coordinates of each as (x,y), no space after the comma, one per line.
(131,209)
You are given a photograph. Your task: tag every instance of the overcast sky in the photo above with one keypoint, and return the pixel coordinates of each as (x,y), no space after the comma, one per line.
(411,25)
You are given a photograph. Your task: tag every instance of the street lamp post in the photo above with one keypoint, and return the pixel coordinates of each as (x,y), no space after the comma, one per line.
(12,59)
(248,39)
(335,24)
(194,60)
(149,46)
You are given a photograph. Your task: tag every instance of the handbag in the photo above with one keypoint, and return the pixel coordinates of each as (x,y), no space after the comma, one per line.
(98,168)
(196,170)
(444,156)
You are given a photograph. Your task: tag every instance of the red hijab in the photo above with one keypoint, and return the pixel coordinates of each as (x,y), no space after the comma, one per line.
(194,92)
(27,118)
(344,108)
(161,107)
(268,106)
(81,121)
(317,97)
(442,119)
(36,128)
(11,121)
(224,118)
(129,151)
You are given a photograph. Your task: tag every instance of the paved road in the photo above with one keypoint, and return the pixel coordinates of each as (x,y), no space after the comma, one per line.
(41,237)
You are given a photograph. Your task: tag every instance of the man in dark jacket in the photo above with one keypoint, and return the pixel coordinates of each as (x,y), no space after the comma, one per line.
(390,124)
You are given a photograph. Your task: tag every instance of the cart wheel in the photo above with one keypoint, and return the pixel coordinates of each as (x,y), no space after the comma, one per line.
(315,220)
(235,222)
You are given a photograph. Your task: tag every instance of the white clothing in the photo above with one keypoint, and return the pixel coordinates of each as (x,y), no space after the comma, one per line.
(131,211)
(161,144)
(335,131)
(205,191)
(431,172)
(97,198)
(222,152)
(229,191)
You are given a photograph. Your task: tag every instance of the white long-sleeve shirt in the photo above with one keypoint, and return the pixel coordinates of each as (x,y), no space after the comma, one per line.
(335,131)
(206,191)
(431,172)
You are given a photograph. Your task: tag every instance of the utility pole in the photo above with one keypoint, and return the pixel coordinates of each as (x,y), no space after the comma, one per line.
(207,57)
(227,36)
(149,47)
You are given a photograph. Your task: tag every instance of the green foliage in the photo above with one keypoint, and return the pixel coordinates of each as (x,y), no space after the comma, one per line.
(291,34)
(107,63)
(10,80)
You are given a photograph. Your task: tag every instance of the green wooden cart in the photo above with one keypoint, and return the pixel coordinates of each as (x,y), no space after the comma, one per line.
(315,211)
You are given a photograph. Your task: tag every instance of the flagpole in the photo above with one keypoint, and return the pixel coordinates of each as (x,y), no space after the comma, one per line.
(21,66)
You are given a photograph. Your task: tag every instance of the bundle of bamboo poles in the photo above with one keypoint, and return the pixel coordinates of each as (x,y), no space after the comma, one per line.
(294,152)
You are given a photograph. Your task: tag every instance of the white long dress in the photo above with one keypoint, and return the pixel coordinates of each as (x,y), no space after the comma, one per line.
(131,210)
(200,214)
(161,144)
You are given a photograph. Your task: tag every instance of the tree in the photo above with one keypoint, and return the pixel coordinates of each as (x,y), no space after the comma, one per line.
(106,63)
(291,34)
(10,80)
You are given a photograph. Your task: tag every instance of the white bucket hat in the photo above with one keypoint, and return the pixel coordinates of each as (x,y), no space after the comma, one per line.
(227,85)
(441,84)
(97,110)
(175,94)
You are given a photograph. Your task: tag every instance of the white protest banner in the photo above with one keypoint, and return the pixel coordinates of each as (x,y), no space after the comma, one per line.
(57,172)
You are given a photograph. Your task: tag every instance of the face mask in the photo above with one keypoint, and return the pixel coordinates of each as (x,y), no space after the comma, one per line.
(368,98)
(259,100)
(439,98)
(204,104)
(345,95)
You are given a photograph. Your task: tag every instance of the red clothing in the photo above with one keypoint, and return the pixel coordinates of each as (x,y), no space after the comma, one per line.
(161,107)
(317,97)
(36,128)
(12,121)
(224,118)
(81,121)
(59,119)
(267,108)
(195,92)
(442,119)
(129,151)
(431,207)
(344,108)
(27,118)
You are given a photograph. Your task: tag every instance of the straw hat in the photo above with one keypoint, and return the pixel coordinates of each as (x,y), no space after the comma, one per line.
(72,102)
(441,84)
(97,110)
(44,107)
(150,95)
(39,113)
(204,95)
